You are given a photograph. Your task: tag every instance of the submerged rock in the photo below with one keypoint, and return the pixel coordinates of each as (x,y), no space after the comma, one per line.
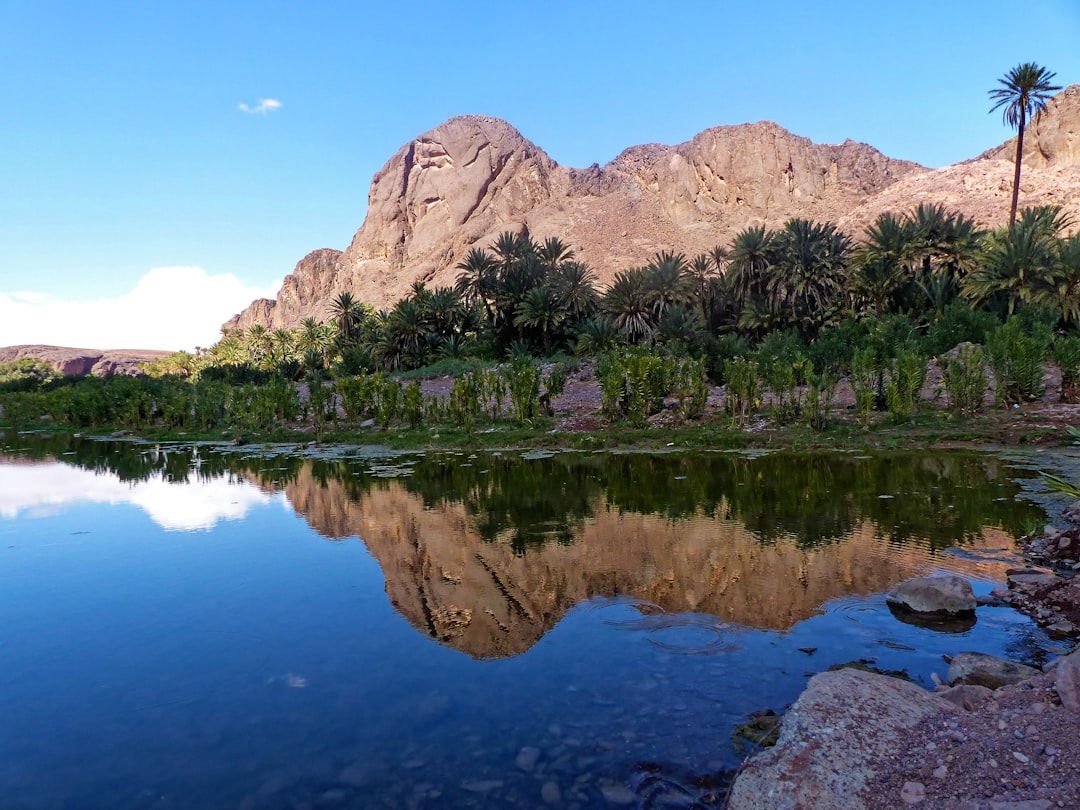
(843,723)
(980,669)
(934,597)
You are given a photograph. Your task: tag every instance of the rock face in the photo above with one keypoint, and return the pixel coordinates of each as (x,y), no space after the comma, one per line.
(841,726)
(461,184)
(80,362)
(938,597)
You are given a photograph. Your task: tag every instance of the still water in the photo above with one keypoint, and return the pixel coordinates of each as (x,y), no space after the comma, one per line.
(270,627)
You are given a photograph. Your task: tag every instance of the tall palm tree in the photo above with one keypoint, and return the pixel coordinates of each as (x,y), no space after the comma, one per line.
(1023,94)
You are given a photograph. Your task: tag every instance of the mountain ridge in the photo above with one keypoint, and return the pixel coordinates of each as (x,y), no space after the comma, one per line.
(460,184)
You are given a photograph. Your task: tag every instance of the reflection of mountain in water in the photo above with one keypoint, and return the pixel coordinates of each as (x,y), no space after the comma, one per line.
(486,553)
(489,600)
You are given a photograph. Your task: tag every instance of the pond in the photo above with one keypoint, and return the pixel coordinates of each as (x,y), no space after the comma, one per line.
(297,627)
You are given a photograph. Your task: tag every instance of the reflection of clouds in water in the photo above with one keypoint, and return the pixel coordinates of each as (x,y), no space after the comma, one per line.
(41,490)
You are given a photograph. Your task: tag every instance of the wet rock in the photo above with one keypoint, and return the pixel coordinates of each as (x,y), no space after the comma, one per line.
(980,669)
(933,596)
(550,793)
(842,723)
(1031,579)
(527,758)
(616,792)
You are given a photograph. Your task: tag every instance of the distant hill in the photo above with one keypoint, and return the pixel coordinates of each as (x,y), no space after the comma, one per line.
(84,361)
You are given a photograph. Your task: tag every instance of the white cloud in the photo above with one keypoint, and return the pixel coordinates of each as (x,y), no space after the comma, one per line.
(264,106)
(40,490)
(170,308)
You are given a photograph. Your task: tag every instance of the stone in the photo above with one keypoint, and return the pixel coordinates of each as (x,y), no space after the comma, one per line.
(550,793)
(942,596)
(913,792)
(527,758)
(980,669)
(616,792)
(81,362)
(1034,579)
(1066,674)
(843,722)
(1026,804)
(967,696)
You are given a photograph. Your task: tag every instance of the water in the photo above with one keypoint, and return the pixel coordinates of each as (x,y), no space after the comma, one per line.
(291,627)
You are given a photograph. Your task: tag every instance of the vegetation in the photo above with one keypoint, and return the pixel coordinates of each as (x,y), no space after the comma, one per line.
(1022,96)
(777,316)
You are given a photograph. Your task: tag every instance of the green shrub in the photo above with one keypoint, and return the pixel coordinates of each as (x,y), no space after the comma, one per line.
(1016,357)
(742,388)
(958,323)
(904,380)
(1066,354)
(965,379)
(866,380)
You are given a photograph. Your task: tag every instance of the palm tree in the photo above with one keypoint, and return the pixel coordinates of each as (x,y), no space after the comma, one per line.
(540,309)
(476,283)
(1023,94)
(628,305)
(554,251)
(1019,260)
(752,253)
(348,312)
(668,284)
(575,285)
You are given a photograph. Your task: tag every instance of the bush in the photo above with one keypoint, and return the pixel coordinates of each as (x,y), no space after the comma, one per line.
(965,379)
(1016,357)
(742,384)
(1066,353)
(958,323)
(904,380)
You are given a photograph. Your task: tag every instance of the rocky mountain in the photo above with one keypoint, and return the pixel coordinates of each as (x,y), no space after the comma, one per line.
(459,185)
(80,362)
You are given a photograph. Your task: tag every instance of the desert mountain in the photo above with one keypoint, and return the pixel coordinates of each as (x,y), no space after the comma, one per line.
(461,184)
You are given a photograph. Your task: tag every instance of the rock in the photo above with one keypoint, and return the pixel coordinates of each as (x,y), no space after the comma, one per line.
(980,669)
(967,696)
(1033,579)
(934,596)
(550,793)
(1066,673)
(526,758)
(913,792)
(616,792)
(844,721)
(1026,804)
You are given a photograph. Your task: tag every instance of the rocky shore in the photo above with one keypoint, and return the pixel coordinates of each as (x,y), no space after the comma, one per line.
(994,735)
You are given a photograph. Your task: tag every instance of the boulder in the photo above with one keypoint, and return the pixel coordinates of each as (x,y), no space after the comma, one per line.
(842,723)
(934,597)
(1067,681)
(980,669)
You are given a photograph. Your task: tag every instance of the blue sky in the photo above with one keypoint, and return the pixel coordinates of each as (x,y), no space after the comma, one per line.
(124,148)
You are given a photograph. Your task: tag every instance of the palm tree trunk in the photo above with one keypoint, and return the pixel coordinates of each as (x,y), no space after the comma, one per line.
(1016,175)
